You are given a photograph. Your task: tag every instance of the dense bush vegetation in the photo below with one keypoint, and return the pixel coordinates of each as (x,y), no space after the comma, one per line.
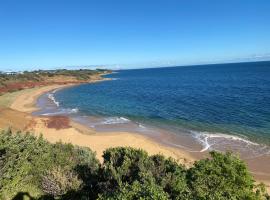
(42,75)
(29,164)
(11,82)
(32,167)
(81,74)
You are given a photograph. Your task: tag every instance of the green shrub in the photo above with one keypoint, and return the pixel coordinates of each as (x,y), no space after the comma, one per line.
(147,191)
(171,176)
(124,165)
(33,168)
(224,176)
(25,160)
(57,182)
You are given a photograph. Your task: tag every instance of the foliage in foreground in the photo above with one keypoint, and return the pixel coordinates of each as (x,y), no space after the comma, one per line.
(32,167)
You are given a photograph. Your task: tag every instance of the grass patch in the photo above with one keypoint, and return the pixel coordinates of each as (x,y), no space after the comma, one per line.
(7,99)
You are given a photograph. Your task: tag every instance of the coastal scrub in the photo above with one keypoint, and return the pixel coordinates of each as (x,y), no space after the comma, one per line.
(34,168)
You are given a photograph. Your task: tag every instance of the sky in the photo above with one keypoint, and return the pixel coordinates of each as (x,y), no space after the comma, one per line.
(40,34)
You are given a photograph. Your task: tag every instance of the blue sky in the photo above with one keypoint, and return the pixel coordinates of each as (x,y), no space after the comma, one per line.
(131,33)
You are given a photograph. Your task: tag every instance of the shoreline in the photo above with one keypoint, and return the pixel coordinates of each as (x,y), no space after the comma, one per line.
(78,134)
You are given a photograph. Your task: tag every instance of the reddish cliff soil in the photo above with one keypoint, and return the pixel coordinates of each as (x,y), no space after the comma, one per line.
(58,122)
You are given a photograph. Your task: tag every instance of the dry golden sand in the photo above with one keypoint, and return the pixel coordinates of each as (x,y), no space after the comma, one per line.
(100,141)
(18,116)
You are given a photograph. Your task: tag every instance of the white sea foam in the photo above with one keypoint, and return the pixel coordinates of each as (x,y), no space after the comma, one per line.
(115,120)
(74,110)
(142,126)
(54,91)
(62,112)
(209,139)
(51,97)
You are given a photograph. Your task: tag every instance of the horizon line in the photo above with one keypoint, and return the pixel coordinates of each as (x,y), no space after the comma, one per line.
(94,67)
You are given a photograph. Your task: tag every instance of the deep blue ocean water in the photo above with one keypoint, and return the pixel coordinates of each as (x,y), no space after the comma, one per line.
(232,99)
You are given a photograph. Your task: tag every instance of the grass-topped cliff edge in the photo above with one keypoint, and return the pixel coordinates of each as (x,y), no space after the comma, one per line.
(10,82)
(32,168)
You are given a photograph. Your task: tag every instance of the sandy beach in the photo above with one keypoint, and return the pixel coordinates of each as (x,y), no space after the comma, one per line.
(16,109)
(20,109)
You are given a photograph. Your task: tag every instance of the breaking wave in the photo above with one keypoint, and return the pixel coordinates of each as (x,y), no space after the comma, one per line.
(52,98)
(115,120)
(224,142)
(62,112)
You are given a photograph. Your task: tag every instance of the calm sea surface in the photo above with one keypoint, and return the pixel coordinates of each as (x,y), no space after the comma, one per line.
(222,101)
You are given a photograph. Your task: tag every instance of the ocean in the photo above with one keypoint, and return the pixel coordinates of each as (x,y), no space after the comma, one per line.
(218,106)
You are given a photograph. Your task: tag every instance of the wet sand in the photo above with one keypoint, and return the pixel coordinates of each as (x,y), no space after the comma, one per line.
(18,115)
